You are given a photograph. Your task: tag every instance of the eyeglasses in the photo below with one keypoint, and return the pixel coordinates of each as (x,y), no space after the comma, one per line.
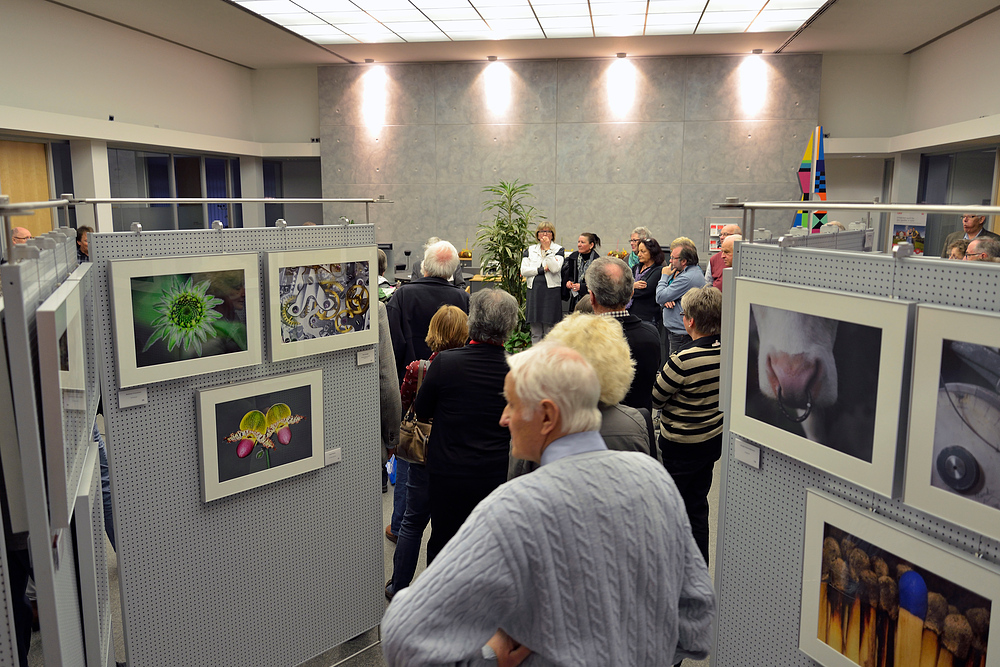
(974,254)
(633,241)
(546,232)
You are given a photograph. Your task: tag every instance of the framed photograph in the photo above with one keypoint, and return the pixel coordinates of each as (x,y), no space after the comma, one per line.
(67,425)
(175,317)
(821,376)
(320,300)
(953,456)
(258,432)
(876,593)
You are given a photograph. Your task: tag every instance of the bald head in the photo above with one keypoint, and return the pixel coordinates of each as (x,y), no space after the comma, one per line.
(729,230)
(727,249)
(21,235)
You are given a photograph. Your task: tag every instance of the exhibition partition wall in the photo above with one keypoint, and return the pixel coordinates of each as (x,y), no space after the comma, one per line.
(822,553)
(245,479)
(50,462)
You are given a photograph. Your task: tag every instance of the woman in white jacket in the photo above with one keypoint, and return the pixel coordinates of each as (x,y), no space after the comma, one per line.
(541,266)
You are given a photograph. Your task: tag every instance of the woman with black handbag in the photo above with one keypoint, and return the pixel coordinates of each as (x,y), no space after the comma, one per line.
(574,268)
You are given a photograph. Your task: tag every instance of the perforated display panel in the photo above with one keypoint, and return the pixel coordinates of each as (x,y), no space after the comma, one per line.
(8,643)
(270,576)
(26,284)
(762,511)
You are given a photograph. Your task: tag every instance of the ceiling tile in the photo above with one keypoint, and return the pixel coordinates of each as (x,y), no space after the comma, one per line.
(465,26)
(510,12)
(618,8)
(413,27)
(556,11)
(441,4)
(569,32)
(339,18)
(271,7)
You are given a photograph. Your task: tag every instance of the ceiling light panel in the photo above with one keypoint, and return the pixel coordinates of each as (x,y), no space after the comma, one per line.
(341,18)
(671,29)
(734,5)
(463,26)
(729,17)
(565,22)
(271,7)
(387,15)
(466,13)
(774,26)
(637,7)
(302,18)
(676,6)
(323,5)
(721,28)
(794,4)
(568,33)
(414,28)
(384,5)
(559,11)
(688,18)
(785,15)
(440,4)
(507,12)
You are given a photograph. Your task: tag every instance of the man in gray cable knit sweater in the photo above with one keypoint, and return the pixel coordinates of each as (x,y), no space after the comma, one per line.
(587,561)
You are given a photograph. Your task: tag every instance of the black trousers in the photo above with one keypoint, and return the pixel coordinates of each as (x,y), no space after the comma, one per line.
(452,500)
(693,480)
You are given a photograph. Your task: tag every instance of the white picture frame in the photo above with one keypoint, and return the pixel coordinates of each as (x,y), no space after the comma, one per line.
(238,275)
(879,465)
(958,411)
(303,280)
(67,426)
(963,580)
(220,426)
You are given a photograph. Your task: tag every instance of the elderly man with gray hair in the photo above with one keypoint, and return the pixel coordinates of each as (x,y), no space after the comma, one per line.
(414,304)
(588,561)
(610,283)
(457,277)
(462,394)
(983,249)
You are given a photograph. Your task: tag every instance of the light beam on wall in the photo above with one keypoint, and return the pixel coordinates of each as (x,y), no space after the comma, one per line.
(621,86)
(497,80)
(753,84)
(374,98)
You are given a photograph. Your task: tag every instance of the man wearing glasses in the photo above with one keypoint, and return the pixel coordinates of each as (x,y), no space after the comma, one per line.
(713,274)
(983,249)
(637,235)
(972,228)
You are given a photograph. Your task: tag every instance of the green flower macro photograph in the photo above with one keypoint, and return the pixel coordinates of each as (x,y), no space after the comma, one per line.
(188,316)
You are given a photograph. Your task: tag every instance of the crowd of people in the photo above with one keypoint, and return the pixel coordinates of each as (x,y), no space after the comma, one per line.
(557,528)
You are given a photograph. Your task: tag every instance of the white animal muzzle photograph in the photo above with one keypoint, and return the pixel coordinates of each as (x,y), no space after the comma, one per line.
(814,376)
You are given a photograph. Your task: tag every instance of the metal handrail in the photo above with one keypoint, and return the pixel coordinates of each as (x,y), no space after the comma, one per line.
(750,209)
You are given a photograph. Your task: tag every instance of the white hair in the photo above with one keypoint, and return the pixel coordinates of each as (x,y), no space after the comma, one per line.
(440,260)
(560,374)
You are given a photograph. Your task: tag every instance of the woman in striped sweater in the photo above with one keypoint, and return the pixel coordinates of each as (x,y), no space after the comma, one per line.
(687,392)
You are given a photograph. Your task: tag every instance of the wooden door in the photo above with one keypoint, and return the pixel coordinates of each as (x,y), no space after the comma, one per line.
(24,176)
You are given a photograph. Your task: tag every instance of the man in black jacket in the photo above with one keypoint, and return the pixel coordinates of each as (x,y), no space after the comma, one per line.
(610,283)
(413,305)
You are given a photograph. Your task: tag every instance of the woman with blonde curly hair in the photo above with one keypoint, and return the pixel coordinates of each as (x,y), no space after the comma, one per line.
(601,341)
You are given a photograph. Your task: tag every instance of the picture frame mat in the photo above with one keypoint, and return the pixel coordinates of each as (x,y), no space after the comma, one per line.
(64,452)
(884,474)
(9,444)
(87,543)
(950,564)
(207,399)
(120,274)
(936,324)
(278,350)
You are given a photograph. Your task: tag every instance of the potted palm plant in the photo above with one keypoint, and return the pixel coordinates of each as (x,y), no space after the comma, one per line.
(503,240)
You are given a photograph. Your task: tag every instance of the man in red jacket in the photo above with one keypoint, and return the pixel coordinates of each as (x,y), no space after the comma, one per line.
(713,275)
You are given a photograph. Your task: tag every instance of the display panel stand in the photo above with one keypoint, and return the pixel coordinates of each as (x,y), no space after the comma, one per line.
(761,523)
(270,576)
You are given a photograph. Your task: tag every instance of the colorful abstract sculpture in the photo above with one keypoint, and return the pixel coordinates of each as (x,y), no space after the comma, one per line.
(812,180)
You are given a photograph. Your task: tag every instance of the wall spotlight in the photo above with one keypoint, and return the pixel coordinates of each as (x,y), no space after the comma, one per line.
(753,84)
(498,86)
(621,55)
(621,82)
(757,52)
(369,61)
(374,99)
(492,59)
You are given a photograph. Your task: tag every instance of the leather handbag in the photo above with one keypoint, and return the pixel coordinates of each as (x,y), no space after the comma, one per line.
(414,434)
